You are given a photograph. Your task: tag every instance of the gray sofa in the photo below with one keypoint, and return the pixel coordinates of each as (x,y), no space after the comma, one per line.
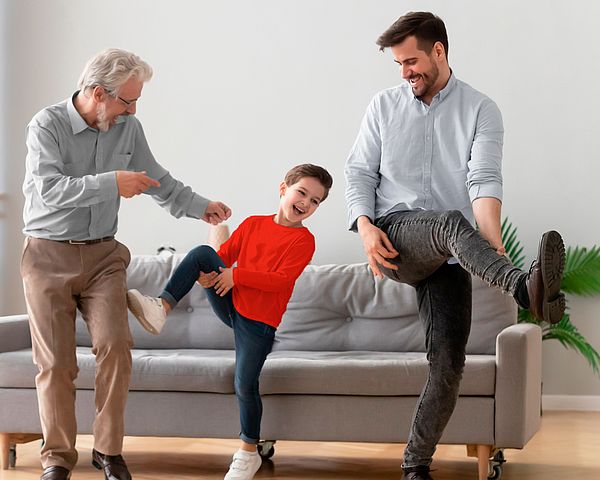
(347,365)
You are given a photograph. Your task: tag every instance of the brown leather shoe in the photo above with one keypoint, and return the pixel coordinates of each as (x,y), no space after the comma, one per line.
(545,275)
(55,473)
(114,466)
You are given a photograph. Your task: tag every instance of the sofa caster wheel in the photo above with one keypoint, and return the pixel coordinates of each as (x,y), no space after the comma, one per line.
(12,456)
(266,449)
(496,473)
(496,466)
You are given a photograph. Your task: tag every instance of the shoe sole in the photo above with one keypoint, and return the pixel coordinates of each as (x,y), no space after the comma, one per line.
(138,312)
(552,261)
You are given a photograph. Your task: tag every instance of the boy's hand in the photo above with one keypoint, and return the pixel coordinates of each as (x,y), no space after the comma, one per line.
(216,212)
(224,281)
(207,280)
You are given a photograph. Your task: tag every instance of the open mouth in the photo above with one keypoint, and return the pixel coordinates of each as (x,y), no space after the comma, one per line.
(298,211)
(415,81)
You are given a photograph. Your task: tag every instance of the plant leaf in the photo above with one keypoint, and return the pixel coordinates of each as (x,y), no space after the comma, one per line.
(582,271)
(568,335)
(514,249)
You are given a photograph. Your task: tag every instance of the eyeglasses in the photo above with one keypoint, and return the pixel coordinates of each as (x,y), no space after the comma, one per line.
(128,103)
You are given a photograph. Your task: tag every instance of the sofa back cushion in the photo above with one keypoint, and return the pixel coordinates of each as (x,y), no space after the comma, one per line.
(333,308)
(343,307)
(192,324)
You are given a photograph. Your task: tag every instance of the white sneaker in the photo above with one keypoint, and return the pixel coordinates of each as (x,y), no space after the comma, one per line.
(243,466)
(148,310)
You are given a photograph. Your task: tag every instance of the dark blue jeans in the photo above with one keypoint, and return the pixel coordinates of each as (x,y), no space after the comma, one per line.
(425,242)
(253,340)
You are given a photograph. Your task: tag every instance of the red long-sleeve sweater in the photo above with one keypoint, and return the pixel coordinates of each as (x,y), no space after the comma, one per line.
(270,258)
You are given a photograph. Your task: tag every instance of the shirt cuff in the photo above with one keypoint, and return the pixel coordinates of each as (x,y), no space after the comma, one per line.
(492,189)
(107,185)
(198,207)
(359,211)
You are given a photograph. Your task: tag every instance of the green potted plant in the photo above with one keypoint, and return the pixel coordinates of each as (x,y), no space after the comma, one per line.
(581,277)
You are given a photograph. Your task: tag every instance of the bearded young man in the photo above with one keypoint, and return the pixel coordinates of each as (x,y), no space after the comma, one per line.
(425,167)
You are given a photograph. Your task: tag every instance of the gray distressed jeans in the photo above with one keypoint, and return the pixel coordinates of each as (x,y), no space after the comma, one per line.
(425,241)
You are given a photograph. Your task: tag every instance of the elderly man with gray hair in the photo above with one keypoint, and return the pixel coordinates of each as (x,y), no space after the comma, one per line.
(83,154)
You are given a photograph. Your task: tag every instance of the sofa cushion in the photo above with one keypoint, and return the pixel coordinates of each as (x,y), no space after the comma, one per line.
(344,308)
(192,324)
(163,370)
(365,373)
(212,371)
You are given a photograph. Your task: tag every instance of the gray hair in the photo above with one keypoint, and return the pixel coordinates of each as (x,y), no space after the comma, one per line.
(111,68)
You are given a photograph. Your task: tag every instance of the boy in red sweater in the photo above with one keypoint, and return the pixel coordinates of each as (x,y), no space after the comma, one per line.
(271,252)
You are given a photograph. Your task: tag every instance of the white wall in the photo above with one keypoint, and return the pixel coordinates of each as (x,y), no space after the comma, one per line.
(244,90)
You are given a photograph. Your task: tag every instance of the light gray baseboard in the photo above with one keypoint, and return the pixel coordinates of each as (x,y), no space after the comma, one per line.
(587,403)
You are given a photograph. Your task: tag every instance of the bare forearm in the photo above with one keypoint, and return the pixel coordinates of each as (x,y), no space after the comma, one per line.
(487,213)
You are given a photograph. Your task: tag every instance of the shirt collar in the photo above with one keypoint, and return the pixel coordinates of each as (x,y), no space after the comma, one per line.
(443,93)
(78,124)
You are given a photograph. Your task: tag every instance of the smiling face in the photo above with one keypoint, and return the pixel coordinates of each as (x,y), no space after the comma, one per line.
(299,201)
(109,108)
(427,73)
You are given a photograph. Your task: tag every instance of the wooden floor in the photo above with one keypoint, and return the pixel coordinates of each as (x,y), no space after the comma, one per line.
(566,447)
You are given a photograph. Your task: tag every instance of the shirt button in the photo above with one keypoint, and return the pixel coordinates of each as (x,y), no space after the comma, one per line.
(189,309)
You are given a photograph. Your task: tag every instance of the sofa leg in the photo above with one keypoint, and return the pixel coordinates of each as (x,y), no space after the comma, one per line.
(6,439)
(484,452)
(4,450)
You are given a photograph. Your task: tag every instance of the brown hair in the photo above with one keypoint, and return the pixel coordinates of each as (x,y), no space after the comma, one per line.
(425,26)
(309,170)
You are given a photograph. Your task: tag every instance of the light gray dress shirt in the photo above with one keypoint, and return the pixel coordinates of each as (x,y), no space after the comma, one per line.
(409,155)
(70,182)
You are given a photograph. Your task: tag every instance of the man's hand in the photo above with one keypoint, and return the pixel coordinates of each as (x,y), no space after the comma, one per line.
(216,212)
(224,281)
(208,280)
(134,183)
(377,246)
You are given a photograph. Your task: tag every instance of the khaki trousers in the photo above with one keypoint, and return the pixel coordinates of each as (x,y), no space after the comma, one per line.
(58,279)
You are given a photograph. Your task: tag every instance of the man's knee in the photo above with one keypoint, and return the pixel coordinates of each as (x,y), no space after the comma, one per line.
(453,216)
(58,368)
(113,346)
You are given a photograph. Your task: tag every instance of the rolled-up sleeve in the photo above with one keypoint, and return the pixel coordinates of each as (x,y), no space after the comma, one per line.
(362,168)
(484,178)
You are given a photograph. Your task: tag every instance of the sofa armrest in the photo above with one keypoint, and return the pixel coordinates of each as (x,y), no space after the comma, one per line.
(14,333)
(518,384)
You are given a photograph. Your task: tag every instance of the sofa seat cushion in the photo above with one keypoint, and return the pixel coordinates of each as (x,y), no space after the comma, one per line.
(163,370)
(365,373)
(212,371)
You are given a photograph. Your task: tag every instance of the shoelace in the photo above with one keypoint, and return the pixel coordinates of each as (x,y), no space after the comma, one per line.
(154,300)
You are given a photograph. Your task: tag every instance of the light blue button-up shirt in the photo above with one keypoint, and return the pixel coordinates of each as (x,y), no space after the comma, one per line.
(409,155)
(70,182)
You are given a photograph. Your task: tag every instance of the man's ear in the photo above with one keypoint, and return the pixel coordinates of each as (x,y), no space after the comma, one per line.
(439,50)
(99,94)
(282,189)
